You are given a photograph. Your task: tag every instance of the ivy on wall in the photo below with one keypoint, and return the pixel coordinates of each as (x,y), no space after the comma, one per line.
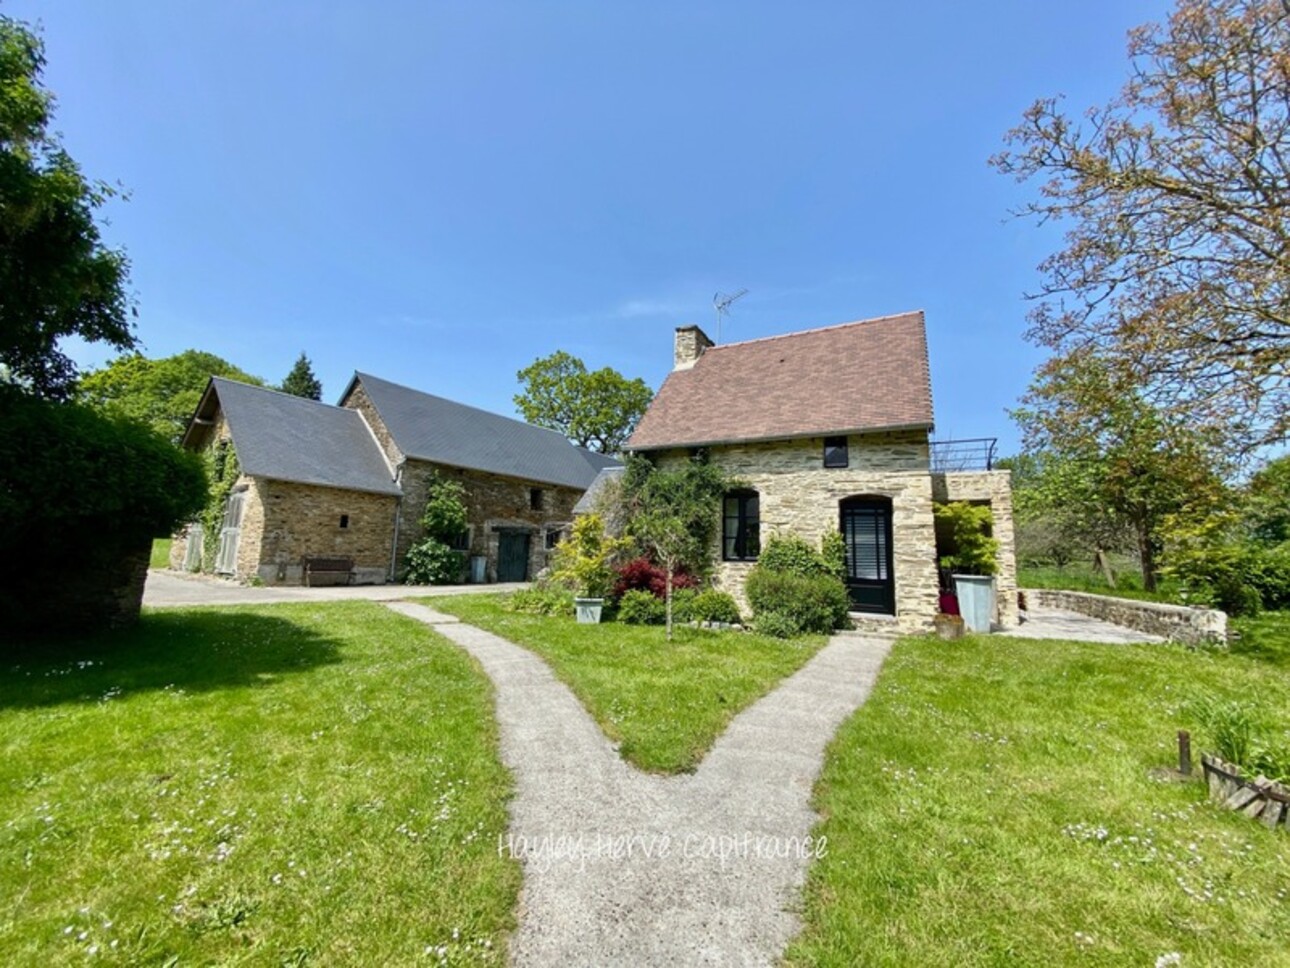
(223,471)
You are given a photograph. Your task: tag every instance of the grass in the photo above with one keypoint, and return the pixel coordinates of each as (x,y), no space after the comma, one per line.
(995,802)
(1083,577)
(663,703)
(160,553)
(1265,637)
(268,785)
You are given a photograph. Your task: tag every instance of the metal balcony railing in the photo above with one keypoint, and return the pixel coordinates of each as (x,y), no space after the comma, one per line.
(973,454)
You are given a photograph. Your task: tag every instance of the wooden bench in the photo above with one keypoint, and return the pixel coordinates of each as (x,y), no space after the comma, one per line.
(327,571)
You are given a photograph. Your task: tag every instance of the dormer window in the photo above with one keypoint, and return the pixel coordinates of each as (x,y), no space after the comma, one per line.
(835,452)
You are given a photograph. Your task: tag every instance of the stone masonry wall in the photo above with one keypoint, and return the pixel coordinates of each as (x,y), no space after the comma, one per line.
(1178,623)
(800,496)
(492,501)
(993,488)
(299,520)
(359,400)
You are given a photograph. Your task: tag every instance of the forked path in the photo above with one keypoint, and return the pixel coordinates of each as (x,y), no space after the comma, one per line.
(625,868)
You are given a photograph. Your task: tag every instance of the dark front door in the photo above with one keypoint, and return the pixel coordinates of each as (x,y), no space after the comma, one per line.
(513,556)
(866,528)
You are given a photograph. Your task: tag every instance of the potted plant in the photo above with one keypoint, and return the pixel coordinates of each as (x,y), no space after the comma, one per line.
(584,564)
(972,561)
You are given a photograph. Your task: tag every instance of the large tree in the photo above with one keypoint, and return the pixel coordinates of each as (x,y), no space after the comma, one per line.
(1114,461)
(597,409)
(301,382)
(1176,262)
(57,278)
(162,393)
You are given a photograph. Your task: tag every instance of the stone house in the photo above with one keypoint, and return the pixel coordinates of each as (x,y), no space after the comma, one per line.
(827,430)
(350,482)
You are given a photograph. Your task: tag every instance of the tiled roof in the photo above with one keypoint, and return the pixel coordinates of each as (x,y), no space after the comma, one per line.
(290,438)
(426,427)
(862,376)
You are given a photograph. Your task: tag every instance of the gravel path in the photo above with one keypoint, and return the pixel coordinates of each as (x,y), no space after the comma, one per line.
(626,868)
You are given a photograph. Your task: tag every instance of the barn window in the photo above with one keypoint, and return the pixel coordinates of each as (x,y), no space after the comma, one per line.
(535,498)
(344,520)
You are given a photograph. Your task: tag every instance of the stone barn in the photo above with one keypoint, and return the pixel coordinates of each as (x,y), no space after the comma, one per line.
(343,487)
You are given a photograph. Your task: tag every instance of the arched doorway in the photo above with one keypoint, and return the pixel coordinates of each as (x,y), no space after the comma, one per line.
(866,531)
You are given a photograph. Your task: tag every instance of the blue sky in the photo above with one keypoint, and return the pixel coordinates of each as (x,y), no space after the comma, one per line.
(439,193)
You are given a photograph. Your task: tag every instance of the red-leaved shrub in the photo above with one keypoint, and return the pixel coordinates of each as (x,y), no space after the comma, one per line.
(643,575)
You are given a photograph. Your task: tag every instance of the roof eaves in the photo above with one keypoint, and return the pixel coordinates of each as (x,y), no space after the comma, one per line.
(805,435)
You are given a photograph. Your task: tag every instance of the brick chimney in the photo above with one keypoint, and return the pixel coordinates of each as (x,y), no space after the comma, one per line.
(690,344)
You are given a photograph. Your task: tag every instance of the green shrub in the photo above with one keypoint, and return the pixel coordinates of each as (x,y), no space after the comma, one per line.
(967,528)
(431,562)
(713,606)
(638,607)
(541,601)
(584,563)
(791,554)
(81,494)
(816,603)
(777,625)
(683,604)
(1241,579)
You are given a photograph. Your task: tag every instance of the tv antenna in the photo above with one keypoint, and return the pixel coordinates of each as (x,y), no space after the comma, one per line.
(721,303)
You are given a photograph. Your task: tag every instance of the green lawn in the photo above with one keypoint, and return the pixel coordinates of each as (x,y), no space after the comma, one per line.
(1265,637)
(994,803)
(270,785)
(664,704)
(1082,577)
(160,553)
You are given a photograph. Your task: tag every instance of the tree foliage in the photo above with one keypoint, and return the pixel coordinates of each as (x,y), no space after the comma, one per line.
(1116,462)
(301,381)
(162,393)
(597,409)
(674,515)
(57,278)
(1176,263)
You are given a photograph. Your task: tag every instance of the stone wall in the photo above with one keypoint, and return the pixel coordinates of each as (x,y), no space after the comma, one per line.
(492,502)
(993,488)
(283,522)
(689,344)
(1178,623)
(357,399)
(799,496)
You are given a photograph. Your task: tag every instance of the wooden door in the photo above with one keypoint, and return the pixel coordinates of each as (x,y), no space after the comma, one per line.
(513,556)
(230,531)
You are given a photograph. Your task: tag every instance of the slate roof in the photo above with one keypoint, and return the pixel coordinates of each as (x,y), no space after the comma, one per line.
(587,503)
(863,376)
(430,428)
(289,438)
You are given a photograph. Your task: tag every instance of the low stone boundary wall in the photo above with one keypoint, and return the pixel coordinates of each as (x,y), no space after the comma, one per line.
(1179,623)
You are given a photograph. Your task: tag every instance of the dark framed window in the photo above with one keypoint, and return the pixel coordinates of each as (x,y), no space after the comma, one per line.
(552,539)
(740,526)
(461,542)
(535,498)
(835,452)
(344,520)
